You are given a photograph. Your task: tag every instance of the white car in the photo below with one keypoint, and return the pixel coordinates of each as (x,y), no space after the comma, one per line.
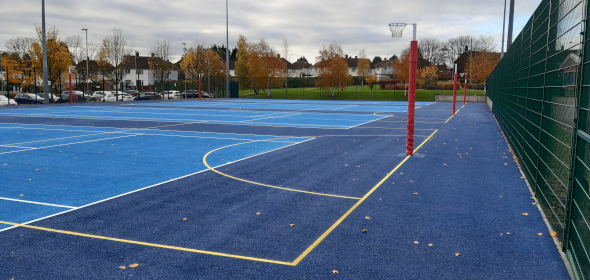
(5,101)
(98,95)
(112,97)
(171,94)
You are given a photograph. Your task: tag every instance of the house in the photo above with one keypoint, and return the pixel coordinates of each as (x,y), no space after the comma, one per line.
(464,58)
(299,68)
(384,70)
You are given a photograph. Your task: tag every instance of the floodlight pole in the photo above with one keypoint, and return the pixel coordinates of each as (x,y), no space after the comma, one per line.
(87,71)
(455,89)
(503,29)
(45,71)
(226,51)
(412,93)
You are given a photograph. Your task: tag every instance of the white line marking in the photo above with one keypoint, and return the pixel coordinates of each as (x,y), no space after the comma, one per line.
(369,122)
(35,202)
(148,187)
(82,142)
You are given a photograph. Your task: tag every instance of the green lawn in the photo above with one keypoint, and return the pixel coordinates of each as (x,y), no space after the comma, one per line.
(351,93)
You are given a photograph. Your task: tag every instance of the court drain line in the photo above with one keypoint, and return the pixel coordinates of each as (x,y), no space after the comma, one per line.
(293,263)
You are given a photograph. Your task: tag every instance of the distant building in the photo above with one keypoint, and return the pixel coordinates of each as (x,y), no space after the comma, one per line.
(464,58)
(384,70)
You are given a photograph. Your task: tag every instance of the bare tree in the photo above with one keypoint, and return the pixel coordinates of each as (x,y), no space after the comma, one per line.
(456,46)
(160,62)
(430,48)
(286,57)
(485,43)
(76,46)
(115,52)
(19,45)
(364,66)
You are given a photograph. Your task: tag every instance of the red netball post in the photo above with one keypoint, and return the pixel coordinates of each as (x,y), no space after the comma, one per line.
(454,90)
(465,93)
(396,32)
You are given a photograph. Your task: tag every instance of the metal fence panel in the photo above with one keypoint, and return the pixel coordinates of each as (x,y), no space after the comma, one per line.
(541,95)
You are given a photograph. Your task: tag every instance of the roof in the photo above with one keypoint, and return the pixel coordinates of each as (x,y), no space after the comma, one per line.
(384,63)
(298,65)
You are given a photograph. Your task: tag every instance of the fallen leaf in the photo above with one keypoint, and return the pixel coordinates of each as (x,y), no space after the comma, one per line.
(367,217)
(258,213)
(358,166)
(135,153)
(393,183)
(457,254)
(411,181)
(415,193)
(364,230)
(346,165)
(508,233)
(430,245)
(36,169)
(416,242)
(335,271)
(501,234)
(444,164)
(292,225)
(184,219)
(505,163)
(133,265)
(525,214)
(540,234)
(534,203)
(553,234)
(122,267)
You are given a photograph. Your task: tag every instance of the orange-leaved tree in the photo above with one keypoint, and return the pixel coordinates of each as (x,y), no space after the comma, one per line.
(332,68)
(428,77)
(266,68)
(18,69)
(364,66)
(242,67)
(481,65)
(371,81)
(402,68)
(59,58)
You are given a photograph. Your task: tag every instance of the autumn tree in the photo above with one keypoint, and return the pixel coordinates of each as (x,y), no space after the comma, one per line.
(59,58)
(18,69)
(332,68)
(115,52)
(266,68)
(428,77)
(242,67)
(201,61)
(481,65)
(402,68)
(160,63)
(371,81)
(364,66)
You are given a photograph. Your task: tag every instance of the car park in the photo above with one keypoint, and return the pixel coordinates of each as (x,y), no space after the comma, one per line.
(5,101)
(65,98)
(171,94)
(145,96)
(191,93)
(132,92)
(112,97)
(28,98)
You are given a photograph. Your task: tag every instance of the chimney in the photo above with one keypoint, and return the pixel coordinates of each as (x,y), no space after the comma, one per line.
(153,55)
(279,55)
(346,56)
(466,48)
(355,57)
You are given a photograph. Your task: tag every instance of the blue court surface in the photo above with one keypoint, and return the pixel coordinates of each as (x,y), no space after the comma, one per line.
(202,190)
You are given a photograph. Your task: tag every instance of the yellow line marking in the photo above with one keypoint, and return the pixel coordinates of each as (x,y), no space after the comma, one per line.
(395,128)
(261,184)
(149,244)
(323,236)
(390,135)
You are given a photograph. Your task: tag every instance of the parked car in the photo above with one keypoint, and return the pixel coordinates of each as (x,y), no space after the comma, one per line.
(191,93)
(28,98)
(132,92)
(112,97)
(171,94)
(145,96)
(98,95)
(5,101)
(65,98)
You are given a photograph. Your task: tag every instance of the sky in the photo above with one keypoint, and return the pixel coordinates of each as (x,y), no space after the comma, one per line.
(307,24)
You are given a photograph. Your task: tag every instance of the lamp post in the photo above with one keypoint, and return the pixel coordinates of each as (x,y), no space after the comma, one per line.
(226,51)
(137,73)
(87,71)
(44,38)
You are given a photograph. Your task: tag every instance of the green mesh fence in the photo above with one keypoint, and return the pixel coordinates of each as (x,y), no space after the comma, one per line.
(541,99)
